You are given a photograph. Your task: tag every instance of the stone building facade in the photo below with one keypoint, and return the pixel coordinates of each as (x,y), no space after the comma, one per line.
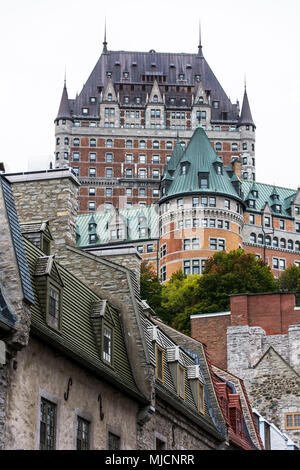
(258,340)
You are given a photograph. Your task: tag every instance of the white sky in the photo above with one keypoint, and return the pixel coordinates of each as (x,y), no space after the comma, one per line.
(258,39)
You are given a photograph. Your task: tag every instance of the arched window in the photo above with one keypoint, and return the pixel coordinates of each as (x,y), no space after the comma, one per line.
(252,238)
(234,147)
(109,143)
(155,144)
(155,99)
(109,97)
(142,144)
(244,146)
(275,242)
(218,146)
(129,144)
(260,239)
(200,100)
(282,243)
(169,145)
(268,240)
(66,140)
(93,142)
(297,246)
(57,141)
(290,245)
(76,142)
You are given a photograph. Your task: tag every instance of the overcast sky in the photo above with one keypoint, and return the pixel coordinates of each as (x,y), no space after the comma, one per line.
(258,39)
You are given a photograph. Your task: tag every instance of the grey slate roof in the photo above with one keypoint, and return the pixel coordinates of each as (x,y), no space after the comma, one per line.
(64,108)
(14,228)
(246,116)
(154,64)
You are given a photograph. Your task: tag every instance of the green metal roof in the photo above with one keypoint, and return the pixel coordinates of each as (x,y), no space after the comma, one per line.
(77,338)
(265,191)
(133,219)
(200,157)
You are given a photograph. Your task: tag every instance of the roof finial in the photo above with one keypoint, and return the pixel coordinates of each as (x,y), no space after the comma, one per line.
(200,41)
(104,42)
(245,82)
(65,77)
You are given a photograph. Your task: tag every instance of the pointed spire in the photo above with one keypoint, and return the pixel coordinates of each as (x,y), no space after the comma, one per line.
(64,108)
(104,51)
(246,116)
(200,42)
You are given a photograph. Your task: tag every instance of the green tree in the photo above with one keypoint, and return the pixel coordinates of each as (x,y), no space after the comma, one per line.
(289,280)
(150,287)
(235,272)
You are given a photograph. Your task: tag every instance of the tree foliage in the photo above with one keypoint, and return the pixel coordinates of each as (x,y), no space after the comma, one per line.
(289,280)
(150,287)
(225,274)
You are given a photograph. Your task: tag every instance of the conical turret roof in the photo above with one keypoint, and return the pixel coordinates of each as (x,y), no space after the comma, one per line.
(246,116)
(200,157)
(64,108)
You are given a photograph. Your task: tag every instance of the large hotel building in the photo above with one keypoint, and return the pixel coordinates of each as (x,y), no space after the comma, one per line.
(166,163)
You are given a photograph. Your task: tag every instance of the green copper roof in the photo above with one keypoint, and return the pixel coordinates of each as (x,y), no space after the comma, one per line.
(265,191)
(200,157)
(131,220)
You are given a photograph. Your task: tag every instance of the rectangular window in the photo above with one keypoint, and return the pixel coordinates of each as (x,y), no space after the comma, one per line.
(292,420)
(267,222)
(201,407)
(187,267)
(163,273)
(195,266)
(227,204)
(179,202)
(92,205)
(150,248)
(76,156)
(47,425)
(108,192)
(108,172)
(54,307)
(204,223)
(187,244)
(107,344)
(281,224)
(221,245)
(92,157)
(212,202)
(195,223)
(159,364)
(282,264)
(181,382)
(204,201)
(142,173)
(195,244)
(213,243)
(195,201)
(92,172)
(252,219)
(275,263)
(83,430)
(114,441)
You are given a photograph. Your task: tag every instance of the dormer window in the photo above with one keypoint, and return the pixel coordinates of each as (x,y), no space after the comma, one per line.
(155,99)
(203,180)
(92,99)
(107,345)
(216,104)
(181,382)
(125,74)
(54,307)
(181,76)
(109,97)
(85,110)
(201,403)
(159,364)
(108,74)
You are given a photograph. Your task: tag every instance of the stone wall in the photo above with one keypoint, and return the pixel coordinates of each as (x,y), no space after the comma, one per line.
(274,390)
(176,431)
(43,372)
